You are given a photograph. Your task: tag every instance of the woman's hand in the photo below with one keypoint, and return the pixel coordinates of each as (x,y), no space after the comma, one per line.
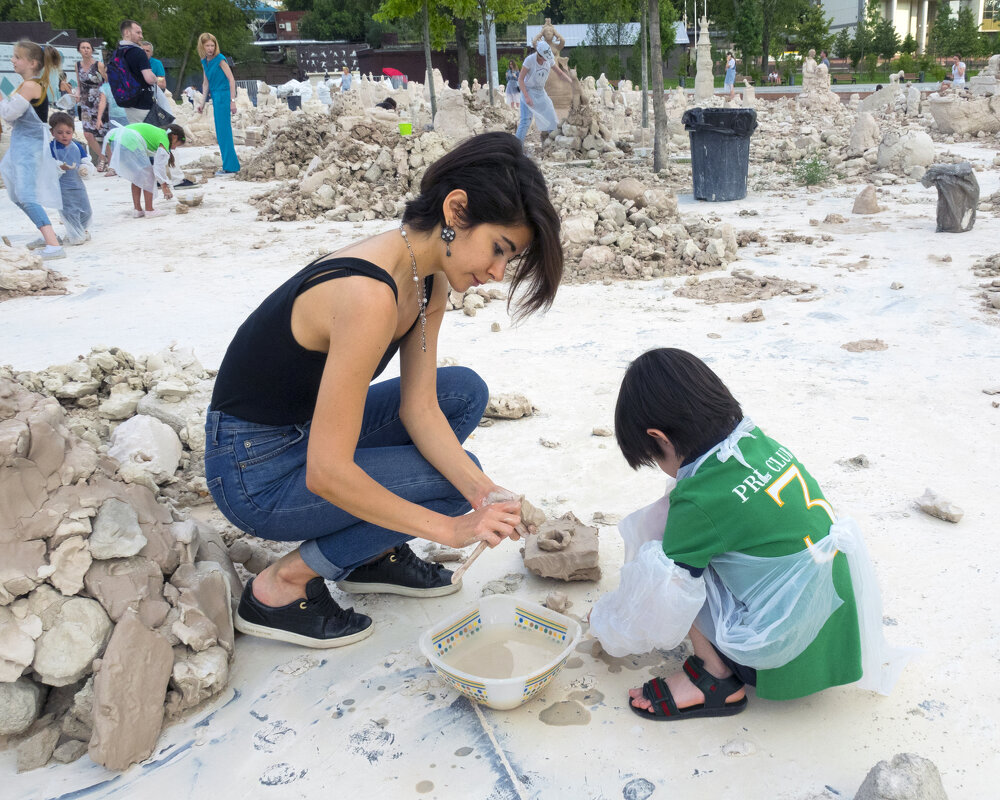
(167,194)
(201,108)
(490,524)
(232,107)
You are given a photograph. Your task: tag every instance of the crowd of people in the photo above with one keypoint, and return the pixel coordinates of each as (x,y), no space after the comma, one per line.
(127,126)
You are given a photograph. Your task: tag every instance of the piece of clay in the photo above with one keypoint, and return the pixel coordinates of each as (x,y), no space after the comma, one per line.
(557,601)
(935,505)
(576,560)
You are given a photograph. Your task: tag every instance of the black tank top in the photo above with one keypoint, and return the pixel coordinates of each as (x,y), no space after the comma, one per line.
(41,105)
(269,378)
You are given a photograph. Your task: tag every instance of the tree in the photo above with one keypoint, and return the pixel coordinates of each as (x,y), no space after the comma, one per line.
(499,11)
(909,45)
(329,20)
(885,40)
(748,30)
(842,43)
(659,107)
(967,40)
(436,29)
(940,41)
(777,16)
(811,31)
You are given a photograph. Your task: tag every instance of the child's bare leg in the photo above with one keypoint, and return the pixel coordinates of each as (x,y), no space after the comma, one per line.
(148,199)
(49,235)
(136,192)
(686,693)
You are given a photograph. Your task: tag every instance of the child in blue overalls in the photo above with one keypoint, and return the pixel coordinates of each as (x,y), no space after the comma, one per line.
(71,156)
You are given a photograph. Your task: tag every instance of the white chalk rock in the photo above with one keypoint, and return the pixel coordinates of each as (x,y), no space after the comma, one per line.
(17,644)
(614,212)
(198,676)
(116,531)
(930,502)
(20,702)
(579,228)
(907,776)
(121,403)
(149,444)
(69,563)
(64,653)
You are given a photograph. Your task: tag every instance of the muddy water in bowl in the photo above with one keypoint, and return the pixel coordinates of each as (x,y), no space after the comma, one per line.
(503,653)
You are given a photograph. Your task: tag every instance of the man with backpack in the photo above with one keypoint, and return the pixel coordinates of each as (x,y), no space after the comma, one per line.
(130,74)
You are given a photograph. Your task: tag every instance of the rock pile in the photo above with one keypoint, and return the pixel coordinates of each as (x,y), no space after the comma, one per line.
(22,272)
(115,609)
(989,268)
(149,410)
(363,173)
(626,230)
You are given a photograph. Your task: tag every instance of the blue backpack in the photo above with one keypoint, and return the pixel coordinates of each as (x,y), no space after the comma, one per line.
(124,85)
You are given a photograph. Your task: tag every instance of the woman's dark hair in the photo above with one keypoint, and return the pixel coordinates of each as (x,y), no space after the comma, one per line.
(504,187)
(674,392)
(388,104)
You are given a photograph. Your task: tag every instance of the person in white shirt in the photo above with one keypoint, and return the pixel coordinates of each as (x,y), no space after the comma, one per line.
(535,102)
(957,74)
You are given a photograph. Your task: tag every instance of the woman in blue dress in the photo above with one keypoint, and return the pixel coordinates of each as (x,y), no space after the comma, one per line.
(220,81)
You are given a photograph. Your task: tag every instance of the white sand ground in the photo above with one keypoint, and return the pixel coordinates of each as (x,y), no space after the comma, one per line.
(374,720)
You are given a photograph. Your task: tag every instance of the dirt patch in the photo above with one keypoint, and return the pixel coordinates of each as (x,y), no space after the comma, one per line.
(742,286)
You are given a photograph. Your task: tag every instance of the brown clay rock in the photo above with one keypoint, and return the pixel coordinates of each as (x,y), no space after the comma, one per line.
(573,556)
(129,690)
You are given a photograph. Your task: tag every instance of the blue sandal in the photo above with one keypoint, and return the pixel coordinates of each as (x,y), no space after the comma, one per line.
(716,690)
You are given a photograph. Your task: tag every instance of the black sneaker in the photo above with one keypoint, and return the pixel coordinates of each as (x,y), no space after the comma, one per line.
(401,572)
(185,184)
(315,621)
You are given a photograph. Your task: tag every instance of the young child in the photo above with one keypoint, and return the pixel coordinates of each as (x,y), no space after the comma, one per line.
(29,173)
(745,557)
(72,157)
(142,153)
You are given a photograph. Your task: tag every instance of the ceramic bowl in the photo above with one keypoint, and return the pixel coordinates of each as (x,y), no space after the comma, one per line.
(493,616)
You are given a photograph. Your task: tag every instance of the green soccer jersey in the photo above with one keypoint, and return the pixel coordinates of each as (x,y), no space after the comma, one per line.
(768,509)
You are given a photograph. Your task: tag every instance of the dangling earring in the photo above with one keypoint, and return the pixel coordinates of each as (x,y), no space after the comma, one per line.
(448,236)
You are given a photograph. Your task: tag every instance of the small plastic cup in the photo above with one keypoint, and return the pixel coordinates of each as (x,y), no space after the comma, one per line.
(405,128)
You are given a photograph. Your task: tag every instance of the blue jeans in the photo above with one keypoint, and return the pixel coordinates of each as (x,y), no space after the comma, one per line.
(35,213)
(525,121)
(257,474)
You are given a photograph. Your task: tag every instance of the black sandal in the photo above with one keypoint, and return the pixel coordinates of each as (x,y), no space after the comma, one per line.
(716,690)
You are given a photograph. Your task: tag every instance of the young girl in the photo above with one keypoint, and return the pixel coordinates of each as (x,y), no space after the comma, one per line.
(730,80)
(745,557)
(141,153)
(512,93)
(72,157)
(29,172)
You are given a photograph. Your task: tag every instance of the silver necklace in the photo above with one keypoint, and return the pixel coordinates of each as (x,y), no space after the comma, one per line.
(421,299)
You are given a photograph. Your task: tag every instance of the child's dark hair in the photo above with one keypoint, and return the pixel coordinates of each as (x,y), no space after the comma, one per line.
(676,393)
(504,187)
(174,129)
(61,118)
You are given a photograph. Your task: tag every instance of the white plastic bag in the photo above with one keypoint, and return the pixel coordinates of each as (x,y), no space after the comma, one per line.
(763,612)
(130,158)
(881,663)
(653,607)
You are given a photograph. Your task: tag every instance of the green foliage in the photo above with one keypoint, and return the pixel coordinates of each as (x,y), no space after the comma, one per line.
(842,43)
(940,41)
(871,65)
(967,39)
(811,30)
(885,40)
(908,45)
(748,30)
(812,171)
(906,63)
(337,19)
(407,17)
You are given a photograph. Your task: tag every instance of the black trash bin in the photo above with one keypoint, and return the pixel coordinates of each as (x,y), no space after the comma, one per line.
(720,151)
(294,102)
